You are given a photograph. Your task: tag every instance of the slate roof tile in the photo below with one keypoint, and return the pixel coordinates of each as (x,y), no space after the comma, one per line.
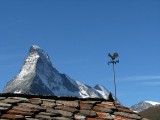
(102,109)
(79,117)
(22,99)
(2,98)
(35,107)
(51,110)
(65,113)
(36,101)
(30,105)
(61,118)
(109,106)
(3,109)
(95,119)
(5,105)
(43,117)
(66,108)
(104,115)
(31,119)
(68,103)
(12,116)
(18,112)
(48,103)
(86,106)
(48,114)
(88,113)
(11,101)
(25,109)
(128,115)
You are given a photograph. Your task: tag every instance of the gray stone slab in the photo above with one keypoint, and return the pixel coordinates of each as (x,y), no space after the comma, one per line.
(5,105)
(43,117)
(65,113)
(68,103)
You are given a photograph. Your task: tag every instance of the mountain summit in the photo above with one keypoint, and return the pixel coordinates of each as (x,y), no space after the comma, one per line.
(38,76)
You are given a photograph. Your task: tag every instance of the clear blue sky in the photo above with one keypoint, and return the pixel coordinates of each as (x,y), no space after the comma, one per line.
(78,35)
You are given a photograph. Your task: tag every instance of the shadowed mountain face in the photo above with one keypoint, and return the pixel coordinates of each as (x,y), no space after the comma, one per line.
(38,76)
(152,113)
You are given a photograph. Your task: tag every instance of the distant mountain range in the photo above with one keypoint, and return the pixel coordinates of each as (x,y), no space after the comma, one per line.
(143,105)
(38,76)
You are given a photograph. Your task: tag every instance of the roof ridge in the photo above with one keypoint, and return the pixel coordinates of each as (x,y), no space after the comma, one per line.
(53,97)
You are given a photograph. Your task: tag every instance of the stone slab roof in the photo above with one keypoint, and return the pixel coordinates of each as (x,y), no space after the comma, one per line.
(36,107)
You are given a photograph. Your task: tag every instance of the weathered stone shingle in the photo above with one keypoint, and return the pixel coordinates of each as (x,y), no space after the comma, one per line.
(18,112)
(65,113)
(86,106)
(104,115)
(46,103)
(68,103)
(88,113)
(25,109)
(66,108)
(5,105)
(12,116)
(36,101)
(102,109)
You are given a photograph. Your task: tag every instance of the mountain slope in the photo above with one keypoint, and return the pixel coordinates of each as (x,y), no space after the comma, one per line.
(143,105)
(38,76)
(102,90)
(152,113)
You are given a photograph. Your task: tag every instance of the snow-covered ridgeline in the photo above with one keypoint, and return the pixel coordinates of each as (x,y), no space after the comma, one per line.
(153,103)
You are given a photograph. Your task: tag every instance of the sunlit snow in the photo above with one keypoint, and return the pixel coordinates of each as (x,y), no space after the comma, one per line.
(153,103)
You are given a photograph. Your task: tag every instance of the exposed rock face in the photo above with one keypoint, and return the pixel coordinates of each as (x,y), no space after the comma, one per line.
(38,76)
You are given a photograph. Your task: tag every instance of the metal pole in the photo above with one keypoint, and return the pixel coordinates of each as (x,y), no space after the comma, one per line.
(114,75)
(113,61)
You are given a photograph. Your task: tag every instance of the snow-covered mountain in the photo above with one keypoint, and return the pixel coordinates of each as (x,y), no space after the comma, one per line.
(38,76)
(141,106)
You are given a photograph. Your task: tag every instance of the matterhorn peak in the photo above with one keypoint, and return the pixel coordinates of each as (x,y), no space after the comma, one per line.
(38,76)
(34,48)
(37,51)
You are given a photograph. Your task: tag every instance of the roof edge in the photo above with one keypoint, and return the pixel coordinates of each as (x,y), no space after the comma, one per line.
(110,99)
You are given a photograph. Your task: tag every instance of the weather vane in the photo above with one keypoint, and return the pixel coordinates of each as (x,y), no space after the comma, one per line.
(113,62)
